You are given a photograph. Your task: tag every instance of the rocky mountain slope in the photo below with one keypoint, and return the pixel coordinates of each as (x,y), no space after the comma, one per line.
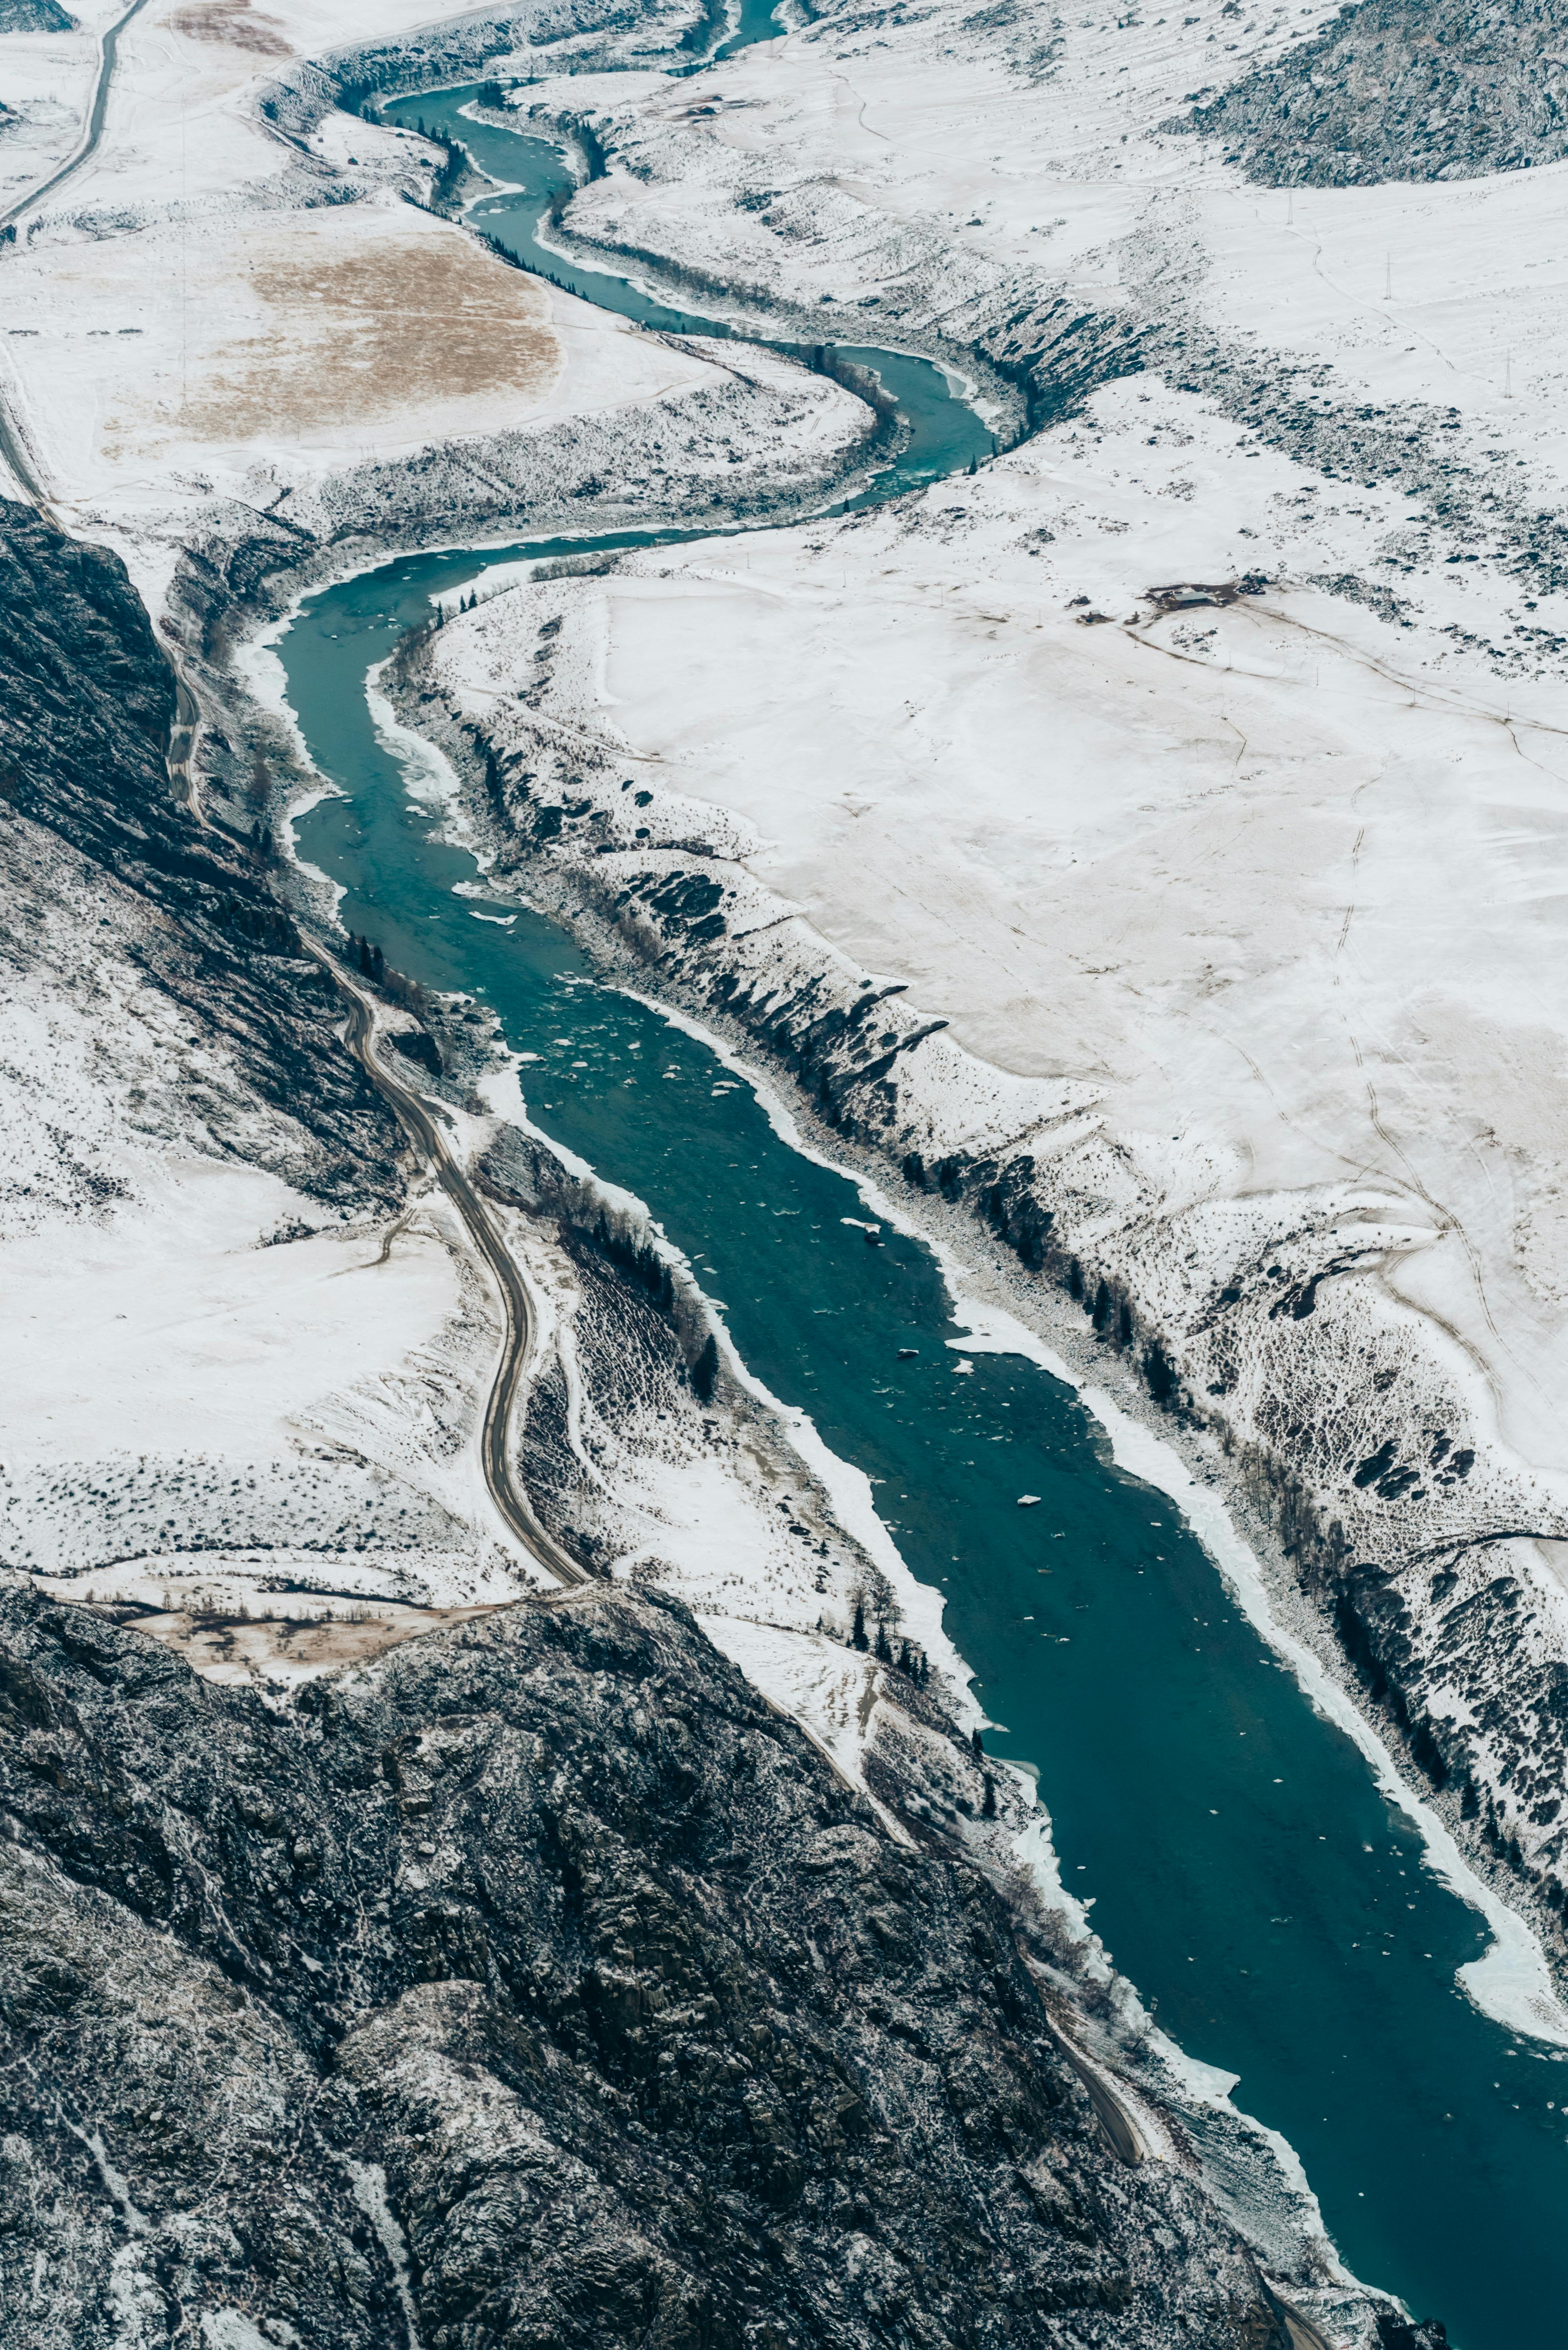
(537,1985)
(1392,91)
(89,806)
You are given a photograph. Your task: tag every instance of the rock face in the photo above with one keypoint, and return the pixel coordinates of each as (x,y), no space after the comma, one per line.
(536,1985)
(1399,91)
(86,806)
(34,17)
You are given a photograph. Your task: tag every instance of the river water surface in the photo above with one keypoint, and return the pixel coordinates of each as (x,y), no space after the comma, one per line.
(1247,1873)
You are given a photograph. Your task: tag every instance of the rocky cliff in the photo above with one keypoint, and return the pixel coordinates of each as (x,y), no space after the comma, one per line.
(88,815)
(1395,91)
(537,1985)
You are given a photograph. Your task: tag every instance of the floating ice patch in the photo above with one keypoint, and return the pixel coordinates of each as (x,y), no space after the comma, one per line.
(502,921)
(1028,1501)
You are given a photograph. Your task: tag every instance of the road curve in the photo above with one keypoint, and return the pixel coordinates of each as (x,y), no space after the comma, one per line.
(517,1343)
(506,1491)
(1303,2334)
(1112,2114)
(1127,2146)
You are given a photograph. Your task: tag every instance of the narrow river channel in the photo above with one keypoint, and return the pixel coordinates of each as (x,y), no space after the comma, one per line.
(1247,1873)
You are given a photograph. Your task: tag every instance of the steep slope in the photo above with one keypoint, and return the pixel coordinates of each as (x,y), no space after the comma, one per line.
(216,1361)
(551,1940)
(84,732)
(1392,90)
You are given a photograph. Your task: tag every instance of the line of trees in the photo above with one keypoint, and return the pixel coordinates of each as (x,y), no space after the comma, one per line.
(911,1661)
(368,959)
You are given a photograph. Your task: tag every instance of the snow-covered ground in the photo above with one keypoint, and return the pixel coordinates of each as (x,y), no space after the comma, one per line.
(50,64)
(213,1382)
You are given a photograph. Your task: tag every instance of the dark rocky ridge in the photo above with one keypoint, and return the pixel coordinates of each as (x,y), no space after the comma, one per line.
(84,784)
(1402,89)
(35,16)
(552,1933)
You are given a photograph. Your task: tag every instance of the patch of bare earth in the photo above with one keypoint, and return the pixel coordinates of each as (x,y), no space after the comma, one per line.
(277,1651)
(404,321)
(235,24)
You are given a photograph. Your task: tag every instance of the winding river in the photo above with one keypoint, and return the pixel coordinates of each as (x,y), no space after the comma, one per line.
(1246,1872)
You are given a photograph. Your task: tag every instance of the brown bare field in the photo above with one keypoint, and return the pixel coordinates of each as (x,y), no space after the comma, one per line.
(283,1649)
(235,24)
(406,321)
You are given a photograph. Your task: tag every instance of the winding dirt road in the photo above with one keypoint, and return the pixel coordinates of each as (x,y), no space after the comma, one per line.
(517,1343)
(92,128)
(505,1491)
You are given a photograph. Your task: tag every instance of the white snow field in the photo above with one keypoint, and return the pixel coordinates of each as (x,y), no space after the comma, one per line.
(46,93)
(1201,761)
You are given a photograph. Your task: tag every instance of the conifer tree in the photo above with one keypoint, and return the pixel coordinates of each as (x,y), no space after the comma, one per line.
(705,1369)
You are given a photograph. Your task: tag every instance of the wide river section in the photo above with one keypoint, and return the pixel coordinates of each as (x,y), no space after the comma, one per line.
(1247,1873)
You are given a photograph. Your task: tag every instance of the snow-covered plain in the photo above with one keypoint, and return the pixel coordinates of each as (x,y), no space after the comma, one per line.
(212,1382)
(46,92)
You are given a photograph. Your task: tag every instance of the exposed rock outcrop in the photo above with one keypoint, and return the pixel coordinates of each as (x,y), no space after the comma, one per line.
(1399,90)
(537,1985)
(86,806)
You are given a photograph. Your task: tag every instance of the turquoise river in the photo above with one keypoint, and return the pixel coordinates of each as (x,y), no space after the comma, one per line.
(1248,1875)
